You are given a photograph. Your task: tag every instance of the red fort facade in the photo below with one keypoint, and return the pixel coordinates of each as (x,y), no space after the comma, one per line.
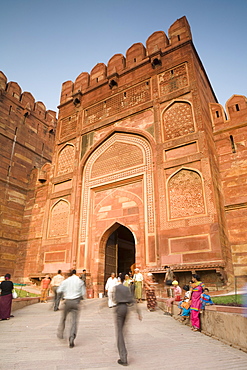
(146,169)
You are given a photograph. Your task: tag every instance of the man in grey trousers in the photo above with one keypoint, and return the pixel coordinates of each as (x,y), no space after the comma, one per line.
(73,290)
(122,298)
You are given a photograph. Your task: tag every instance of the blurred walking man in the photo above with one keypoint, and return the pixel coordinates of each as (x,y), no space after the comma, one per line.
(122,297)
(73,290)
(55,283)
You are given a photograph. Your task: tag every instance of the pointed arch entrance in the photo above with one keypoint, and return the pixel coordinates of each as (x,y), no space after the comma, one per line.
(119,251)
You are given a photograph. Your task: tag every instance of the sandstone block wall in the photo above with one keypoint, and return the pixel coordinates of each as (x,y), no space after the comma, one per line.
(26,142)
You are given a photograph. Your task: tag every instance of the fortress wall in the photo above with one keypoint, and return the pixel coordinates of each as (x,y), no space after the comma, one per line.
(26,142)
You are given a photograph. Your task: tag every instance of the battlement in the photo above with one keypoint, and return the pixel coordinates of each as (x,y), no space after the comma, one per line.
(26,101)
(236,113)
(157,45)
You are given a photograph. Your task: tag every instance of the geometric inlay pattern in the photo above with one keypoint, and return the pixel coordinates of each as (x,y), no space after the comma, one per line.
(68,126)
(178,120)
(117,157)
(59,219)
(66,160)
(173,80)
(185,193)
(120,102)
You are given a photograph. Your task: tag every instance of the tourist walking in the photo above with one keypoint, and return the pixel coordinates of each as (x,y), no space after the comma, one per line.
(138,280)
(112,281)
(196,291)
(6,288)
(122,298)
(55,283)
(150,292)
(73,290)
(45,286)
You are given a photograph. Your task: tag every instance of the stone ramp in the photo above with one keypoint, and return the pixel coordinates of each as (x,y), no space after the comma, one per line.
(158,342)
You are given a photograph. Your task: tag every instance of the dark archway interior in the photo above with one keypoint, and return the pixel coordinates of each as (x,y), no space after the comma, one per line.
(120,252)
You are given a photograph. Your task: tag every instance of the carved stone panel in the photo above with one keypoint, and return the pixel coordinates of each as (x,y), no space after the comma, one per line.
(185,192)
(68,126)
(173,79)
(118,103)
(66,160)
(178,120)
(117,157)
(59,219)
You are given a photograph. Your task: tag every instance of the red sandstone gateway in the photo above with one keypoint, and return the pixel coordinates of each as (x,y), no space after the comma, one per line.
(145,170)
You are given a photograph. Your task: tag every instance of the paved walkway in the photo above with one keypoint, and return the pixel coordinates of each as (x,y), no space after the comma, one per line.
(158,342)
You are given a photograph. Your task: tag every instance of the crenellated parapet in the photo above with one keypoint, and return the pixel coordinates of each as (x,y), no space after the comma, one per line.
(157,45)
(26,102)
(234,115)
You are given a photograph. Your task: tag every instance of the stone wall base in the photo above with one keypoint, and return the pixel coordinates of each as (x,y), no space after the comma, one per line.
(225,323)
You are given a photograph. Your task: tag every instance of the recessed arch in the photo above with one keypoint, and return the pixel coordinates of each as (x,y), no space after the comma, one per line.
(117,247)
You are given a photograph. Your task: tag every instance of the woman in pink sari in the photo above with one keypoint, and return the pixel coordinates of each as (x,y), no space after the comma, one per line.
(196,290)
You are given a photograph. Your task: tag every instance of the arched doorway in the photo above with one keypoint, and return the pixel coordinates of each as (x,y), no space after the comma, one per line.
(119,252)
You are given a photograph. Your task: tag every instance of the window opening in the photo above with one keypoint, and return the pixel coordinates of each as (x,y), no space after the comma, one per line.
(232,144)
(217,114)
(156,62)
(112,83)
(237,108)
(178,37)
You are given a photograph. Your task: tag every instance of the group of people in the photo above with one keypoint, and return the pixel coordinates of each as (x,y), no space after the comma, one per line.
(136,283)
(124,291)
(53,284)
(195,298)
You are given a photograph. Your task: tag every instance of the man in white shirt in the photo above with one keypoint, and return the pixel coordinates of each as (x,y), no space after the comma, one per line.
(73,289)
(55,283)
(109,287)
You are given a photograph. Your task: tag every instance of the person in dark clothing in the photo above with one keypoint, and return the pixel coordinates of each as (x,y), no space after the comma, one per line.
(83,277)
(123,298)
(6,287)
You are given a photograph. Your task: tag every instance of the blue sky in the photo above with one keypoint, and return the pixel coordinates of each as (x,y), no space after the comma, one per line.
(46,42)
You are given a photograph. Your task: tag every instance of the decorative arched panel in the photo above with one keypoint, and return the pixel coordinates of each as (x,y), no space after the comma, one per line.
(59,219)
(118,186)
(65,163)
(185,193)
(178,120)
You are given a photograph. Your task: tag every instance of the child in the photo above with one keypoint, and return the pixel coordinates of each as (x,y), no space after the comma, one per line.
(205,299)
(176,297)
(184,305)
